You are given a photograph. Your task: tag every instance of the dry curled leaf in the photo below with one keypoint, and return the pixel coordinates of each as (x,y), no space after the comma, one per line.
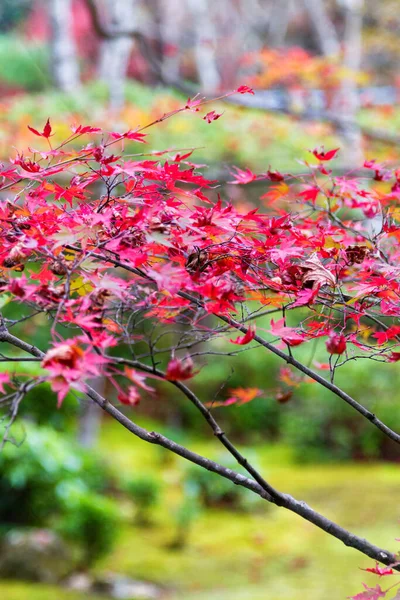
(196,260)
(316,273)
(283,396)
(356,254)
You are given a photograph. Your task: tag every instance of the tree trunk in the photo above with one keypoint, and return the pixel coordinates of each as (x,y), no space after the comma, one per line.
(64,63)
(348,102)
(278,24)
(90,417)
(116,50)
(171,26)
(323,27)
(205,38)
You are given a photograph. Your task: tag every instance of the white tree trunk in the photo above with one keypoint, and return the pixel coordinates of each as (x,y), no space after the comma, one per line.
(278,25)
(323,26)
(116,51)
(64,63)
(348,103)
(171,26)
(90,417)
(205,39)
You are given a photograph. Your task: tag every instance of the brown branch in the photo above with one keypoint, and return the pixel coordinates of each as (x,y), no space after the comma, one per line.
(290,503)
(278,498)
(371,417)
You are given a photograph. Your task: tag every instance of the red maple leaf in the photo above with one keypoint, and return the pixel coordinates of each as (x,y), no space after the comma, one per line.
(246,338)
(324,156)
(378,570)
(129,135)
(46,133)
(275,176)
(212,116)
(81,129)
(242,176)
(336,343)
(180,370)
(289,335)
(245,89)
(238,396)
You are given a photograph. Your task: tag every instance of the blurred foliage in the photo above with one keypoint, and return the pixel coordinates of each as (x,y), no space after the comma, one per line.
(12,12)
(241,136)
(41,407)
(184,516)
(316,424)
(296,68)
(23,65)
(89,521)
(52,481)
(320,426)
(144,490)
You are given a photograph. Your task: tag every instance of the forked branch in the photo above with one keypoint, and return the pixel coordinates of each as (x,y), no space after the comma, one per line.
(285,500)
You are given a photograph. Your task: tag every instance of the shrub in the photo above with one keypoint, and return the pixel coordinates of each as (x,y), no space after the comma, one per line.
(91,522)
(319,427)
(184,516)
(145,493)
(23,64)
(48,480)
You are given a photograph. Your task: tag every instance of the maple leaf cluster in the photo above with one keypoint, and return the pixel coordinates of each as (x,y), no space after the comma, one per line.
(297,69)
(107,245)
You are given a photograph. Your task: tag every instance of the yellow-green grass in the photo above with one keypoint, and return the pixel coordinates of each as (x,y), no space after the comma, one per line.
(268,552)
(16,590)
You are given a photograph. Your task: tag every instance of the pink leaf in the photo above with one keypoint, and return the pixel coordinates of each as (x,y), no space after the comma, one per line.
(4,379)
(370,593)
(243,177)
(180,370)
(325,156)
(245,89)
(212,116)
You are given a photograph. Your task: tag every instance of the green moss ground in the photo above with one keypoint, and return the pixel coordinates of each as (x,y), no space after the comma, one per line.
(12,590)
(269,552)
(266,553)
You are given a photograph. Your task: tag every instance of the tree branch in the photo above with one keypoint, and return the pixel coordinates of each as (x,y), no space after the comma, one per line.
(300,508)
(278,498)
(371,417)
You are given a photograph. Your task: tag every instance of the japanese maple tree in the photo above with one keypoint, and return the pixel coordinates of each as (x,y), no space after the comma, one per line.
(114,253)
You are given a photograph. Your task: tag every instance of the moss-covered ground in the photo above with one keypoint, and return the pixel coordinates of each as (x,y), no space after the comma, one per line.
(262,553)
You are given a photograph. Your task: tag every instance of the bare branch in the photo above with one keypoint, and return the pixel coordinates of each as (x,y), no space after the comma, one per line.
(371,417)
(287,501)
